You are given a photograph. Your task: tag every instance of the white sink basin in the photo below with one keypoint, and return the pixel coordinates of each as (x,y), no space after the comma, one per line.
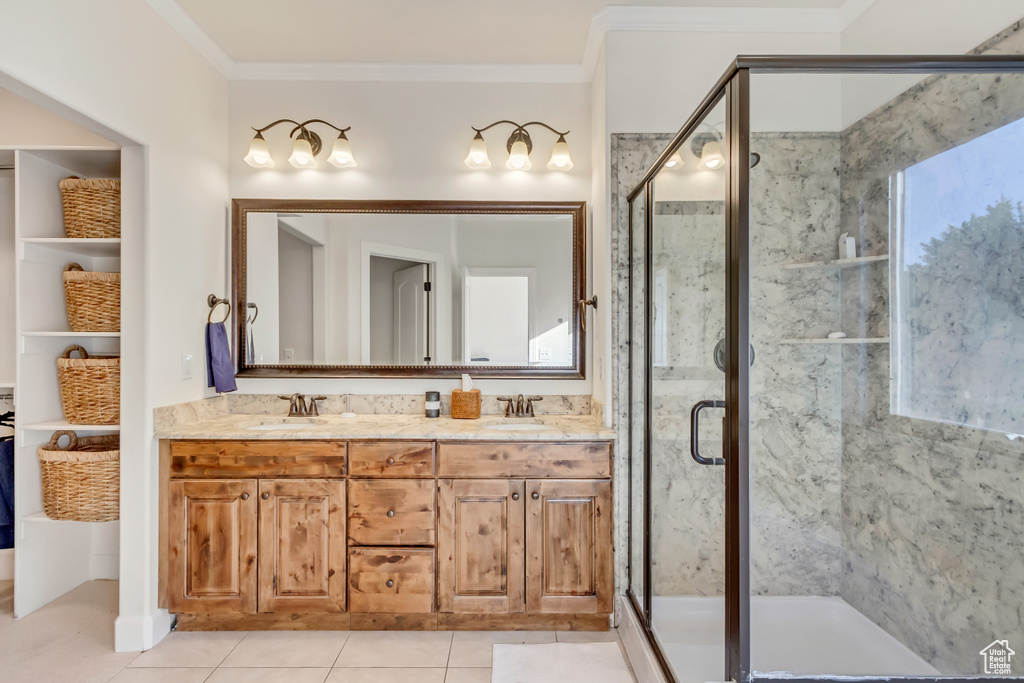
(292,423)
(521,427)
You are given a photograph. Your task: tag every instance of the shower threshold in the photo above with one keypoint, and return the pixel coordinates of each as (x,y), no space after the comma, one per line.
(796,636)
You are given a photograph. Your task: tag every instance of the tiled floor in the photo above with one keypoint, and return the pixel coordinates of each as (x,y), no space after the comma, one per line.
(72,639)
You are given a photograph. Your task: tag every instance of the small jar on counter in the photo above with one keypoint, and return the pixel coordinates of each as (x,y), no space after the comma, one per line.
(433,404)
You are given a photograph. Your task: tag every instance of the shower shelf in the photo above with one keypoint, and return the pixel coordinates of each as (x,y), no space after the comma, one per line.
(844,340)
(837,263)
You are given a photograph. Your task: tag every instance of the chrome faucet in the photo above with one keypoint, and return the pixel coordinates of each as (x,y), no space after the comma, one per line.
(297,405)
(519,406)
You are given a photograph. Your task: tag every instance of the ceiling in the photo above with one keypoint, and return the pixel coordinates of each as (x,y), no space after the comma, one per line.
(420,31)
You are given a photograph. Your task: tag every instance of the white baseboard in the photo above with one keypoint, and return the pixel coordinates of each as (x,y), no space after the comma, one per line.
(135,634)
(7,564)
(104,567)
(641,656)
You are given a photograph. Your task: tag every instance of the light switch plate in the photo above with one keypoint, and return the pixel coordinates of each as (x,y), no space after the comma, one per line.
(289,354)
(186,366)
(545,354)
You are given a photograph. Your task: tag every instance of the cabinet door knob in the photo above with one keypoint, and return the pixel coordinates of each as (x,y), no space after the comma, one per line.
(266,495)
(391,461)
(391,513)
(535,495)
(515,496)
(390,583)
(245,496)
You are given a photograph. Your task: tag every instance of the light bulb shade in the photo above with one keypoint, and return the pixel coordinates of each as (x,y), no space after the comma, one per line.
(259,153)
(674,161)
(341,153)
(560,159)
(518,157)
(711,155)
(477,157)
(302,154)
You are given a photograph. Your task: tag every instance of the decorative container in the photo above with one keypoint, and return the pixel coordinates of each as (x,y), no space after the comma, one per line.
(466,404)
(92,208)
(432,404)
(90,387)
(81,482)
(93,300)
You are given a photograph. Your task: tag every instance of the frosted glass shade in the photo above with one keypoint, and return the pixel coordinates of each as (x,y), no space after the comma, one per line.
(560,159)
(518,157)
(259,153)
(711,156)
(341,153)
(674,161)
(477,157)
(302,154)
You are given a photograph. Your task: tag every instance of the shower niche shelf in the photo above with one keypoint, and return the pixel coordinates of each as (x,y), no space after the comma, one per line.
(836,263)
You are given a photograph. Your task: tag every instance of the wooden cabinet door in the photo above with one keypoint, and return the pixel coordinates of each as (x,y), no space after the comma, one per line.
(480,545)
(569,546)
(212,546)
(302,545)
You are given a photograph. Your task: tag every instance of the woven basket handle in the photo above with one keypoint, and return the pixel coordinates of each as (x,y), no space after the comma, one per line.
(75,347)
(73,266)
(72,440)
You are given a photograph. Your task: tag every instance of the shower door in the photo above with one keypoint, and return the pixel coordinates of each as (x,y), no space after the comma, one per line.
(680,400)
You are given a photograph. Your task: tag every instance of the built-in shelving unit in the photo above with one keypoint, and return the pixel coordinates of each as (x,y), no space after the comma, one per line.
(51,556)
(837,263)
(833,265)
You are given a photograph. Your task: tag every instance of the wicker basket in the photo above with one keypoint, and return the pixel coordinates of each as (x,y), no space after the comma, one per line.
(92,208)
(82,481)
(90,387)
(93,300)
(466,404)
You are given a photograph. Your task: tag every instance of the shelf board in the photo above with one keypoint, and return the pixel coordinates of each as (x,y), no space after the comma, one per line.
(844,340)
(57,425)
(100,246)
(41,518)
(837,263)
(52,333)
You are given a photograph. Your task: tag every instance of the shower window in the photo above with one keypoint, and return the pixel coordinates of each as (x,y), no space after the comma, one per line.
(958,314)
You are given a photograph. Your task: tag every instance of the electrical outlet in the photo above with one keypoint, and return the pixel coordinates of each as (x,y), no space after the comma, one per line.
(186,366)
(289,354)
(544,354)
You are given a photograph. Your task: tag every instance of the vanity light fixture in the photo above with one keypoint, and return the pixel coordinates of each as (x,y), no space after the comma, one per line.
(674,161)
(707,147)
(519,146)
(307,145)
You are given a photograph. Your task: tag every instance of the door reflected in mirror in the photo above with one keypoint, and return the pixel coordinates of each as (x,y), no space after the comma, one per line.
(443,289)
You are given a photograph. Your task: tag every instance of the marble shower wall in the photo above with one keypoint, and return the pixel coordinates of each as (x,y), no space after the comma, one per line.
(932,514)
(795,435)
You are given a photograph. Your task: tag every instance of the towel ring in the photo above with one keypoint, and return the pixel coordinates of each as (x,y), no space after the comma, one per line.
(254,315)
(213,302)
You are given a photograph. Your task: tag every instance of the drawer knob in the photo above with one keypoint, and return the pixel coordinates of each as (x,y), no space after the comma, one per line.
(391,513)
(245,496)
(391,461)
(535,495)
(266,495)
(515,496)
(390,583)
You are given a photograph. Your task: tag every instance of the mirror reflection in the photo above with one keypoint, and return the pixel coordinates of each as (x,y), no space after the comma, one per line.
(409,289)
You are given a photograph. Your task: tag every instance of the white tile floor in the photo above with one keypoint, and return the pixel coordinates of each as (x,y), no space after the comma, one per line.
(72,639)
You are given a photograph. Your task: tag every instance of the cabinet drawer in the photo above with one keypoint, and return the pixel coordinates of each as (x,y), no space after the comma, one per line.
(391,512)
(391,458)
(482,459)
(268,458)
(391,580)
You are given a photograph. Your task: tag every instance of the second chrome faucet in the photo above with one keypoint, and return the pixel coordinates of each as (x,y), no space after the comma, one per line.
(518,406)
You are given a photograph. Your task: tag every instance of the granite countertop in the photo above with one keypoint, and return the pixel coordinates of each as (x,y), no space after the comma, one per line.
(238,426)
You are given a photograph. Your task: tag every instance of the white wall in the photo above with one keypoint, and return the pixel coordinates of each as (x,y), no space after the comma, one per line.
(264,290)
(295,282)
(7,337)
(410,140)
(126,73)
(599,327)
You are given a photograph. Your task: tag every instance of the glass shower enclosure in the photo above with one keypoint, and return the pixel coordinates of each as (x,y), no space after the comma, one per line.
(826,362)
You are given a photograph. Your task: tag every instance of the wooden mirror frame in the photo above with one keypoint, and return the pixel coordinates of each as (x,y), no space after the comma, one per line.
(240,208)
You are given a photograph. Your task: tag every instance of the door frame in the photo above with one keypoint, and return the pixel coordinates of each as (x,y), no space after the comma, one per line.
(440,306)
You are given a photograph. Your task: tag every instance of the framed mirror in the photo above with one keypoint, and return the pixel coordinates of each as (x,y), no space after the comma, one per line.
(346,288)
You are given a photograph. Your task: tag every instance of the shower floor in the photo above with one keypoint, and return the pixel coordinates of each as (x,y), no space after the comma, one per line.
(795,635)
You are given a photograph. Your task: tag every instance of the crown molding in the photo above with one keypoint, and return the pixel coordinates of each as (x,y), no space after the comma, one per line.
(612,18)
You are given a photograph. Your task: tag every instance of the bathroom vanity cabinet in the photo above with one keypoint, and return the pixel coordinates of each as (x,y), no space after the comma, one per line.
(309,534)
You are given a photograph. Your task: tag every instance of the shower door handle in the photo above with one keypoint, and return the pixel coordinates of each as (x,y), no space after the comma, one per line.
(695,432)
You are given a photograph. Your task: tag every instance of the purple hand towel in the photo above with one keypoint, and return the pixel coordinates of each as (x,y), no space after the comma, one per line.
(220,371)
